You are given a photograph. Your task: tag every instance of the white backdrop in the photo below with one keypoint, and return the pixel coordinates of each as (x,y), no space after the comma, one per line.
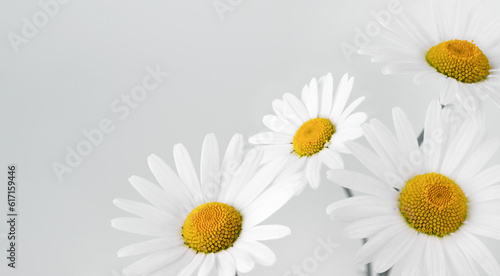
(76,67)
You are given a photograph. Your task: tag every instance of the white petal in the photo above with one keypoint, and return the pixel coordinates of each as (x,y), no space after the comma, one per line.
(368,252)
(259,182)
(294,109)
(141,226)
(327,97)
(175,266)
(413,263)
(485,179)
(331,158)
(243,260)
(209,168)
(146,211)
(150,246)
(265,232)
(158,197)
(313,167)
(268,203)
(475,162)
(341,97)
(347,112)
(271,138)
(192,266)
(360,182)
(432,136)
(225,264)
(434,257)
(360,207)
(278,124)
(395,249)
(404,131)
(310,98)
(261,253)
(207,265)
(480,253)
(155,261)
(368,227)
(170,182)
(242,176)
(187,173)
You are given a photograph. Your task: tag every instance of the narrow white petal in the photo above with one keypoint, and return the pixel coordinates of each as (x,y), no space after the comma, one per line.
(192,266)
(155,261)
(187,173)
(225,264)
(261,253)
(434,257)
(404,131)
(146,211)
(170,182)
(341,97)
(475,162)
(174,267)
(150,246)
(243,260)
(278,124)
(368,252)
(313,167)
(209,168)
(294,109)
(141,226)
(360,207)
(360,182)
(207,265)
(347,112)
(331,158)
(479,252)
(414,261)
(160,198)
(327,97)
(368,227)
(310,98)
(243,174)
(265,232)
(395,249)
(268,203)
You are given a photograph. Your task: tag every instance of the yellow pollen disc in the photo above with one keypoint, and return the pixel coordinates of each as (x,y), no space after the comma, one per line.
(433,204)
(312,136)
(459,59)
(212,227)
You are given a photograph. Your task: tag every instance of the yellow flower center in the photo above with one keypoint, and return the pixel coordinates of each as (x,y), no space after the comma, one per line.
(433,204)
(212,227)
(312,136)
(459,59)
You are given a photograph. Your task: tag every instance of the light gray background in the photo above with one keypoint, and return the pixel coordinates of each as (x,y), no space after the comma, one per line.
(223,76)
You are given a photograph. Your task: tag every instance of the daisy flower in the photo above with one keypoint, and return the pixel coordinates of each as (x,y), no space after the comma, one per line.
(464,53)
(206,224)
(427,203)
(312,132)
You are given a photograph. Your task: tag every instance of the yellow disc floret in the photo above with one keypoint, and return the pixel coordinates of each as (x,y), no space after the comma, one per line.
(459,59)
(212,227)
(433,204)
(312,136)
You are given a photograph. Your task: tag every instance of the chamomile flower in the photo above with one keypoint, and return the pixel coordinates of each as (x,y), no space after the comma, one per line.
(427,203)
(461,50)
(206,224)
(312,132)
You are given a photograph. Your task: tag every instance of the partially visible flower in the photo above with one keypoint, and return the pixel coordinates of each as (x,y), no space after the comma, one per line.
(465,53)
(426,202)
(312,132)
(206,225)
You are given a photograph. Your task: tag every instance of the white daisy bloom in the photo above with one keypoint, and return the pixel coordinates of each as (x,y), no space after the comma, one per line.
(207,223)
(427,203)
(463,52)
(312,132)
